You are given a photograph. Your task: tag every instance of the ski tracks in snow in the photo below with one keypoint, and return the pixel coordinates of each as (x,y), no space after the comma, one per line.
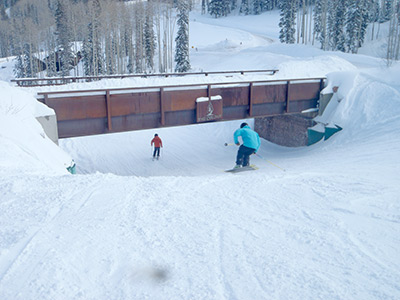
(30,254)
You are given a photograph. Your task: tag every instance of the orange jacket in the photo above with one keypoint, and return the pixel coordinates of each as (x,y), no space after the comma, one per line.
(157,142)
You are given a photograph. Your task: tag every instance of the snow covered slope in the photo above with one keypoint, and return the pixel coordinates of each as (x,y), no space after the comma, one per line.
(127,227)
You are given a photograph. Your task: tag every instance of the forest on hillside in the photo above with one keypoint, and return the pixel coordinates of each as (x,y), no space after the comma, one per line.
(49,37)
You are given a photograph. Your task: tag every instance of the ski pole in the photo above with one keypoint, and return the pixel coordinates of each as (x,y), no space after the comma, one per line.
(231,144)
(270,162)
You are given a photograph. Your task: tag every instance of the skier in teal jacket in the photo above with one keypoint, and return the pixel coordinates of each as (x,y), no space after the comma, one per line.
(251,143)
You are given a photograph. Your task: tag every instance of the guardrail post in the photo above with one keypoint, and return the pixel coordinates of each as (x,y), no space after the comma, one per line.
(162,107)
(108,109)
(251,99)
(321,84)
(287,96)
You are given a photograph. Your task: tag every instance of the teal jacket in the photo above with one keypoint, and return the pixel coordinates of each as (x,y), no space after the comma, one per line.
(250,138)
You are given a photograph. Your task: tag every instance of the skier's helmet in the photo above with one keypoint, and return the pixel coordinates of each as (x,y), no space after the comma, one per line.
(156,134)
(243,124)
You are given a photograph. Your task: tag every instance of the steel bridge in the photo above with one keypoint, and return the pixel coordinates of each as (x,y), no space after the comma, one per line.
(90,112)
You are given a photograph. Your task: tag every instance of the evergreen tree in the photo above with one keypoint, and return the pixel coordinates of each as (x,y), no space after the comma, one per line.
(336,25)
(27,61)
(218,8)
(287,21)
(320,22)
(110,45)
(374,10)
(244,7)
(51,69)
(227,7)
(356,24)
(270,4)
(233,5)
(128,41)
(352,19)
(257,7)
(203,7)
(92,52)
(149,38)
(19,69)
(139,43)
(64,39)
(365,19)
(387,10)
(182,39)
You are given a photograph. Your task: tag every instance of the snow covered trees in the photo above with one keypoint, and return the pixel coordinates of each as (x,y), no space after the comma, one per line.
(288,21)
(182,38)
(92,54)
(149,37)
(105,36)
(50,37)
(336,24)
(342,24)
(356,24)
(219,8)
(64,39)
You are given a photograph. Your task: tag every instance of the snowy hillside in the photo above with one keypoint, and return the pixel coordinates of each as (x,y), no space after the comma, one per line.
(127,227)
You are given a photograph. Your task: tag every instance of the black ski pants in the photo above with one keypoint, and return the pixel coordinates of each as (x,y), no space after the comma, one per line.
(156,151)
(243,155)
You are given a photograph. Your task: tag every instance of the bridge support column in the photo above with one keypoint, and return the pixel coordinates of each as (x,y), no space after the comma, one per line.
(49,124)
(286,130)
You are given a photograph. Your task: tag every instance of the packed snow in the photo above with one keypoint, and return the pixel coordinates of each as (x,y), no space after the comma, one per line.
(317,222)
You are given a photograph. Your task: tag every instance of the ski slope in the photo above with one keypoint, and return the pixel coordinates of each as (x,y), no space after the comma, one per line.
(127,227)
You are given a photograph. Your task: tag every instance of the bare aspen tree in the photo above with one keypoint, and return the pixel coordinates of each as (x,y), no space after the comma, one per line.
(77,15)
(167,37)
(397,21)
(298,17)
(172,22)
(303,22)
(310,6)
(109,36)
(166,40)
(392,52)
(158,14)
(92,56)
(26,28)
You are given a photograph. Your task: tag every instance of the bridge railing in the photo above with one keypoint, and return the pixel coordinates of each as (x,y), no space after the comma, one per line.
(47,81)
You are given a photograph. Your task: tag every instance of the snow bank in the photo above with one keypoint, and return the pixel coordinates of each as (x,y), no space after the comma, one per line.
(365,104)
(312,67)
(23,142)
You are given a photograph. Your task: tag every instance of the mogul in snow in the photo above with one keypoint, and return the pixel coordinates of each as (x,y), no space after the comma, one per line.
(157,145)
(251,143)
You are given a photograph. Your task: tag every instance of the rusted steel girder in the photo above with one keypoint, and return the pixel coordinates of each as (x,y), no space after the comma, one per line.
(89,112)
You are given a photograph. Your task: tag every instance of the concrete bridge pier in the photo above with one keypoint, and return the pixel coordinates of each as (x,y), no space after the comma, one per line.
(291,130)
(49,124)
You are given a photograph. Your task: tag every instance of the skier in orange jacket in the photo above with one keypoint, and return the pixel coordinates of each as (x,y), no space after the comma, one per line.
(157,144)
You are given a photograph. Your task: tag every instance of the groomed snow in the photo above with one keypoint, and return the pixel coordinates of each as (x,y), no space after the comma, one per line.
(127,227)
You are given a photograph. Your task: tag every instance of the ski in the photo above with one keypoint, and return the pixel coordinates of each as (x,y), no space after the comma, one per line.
(242,169)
